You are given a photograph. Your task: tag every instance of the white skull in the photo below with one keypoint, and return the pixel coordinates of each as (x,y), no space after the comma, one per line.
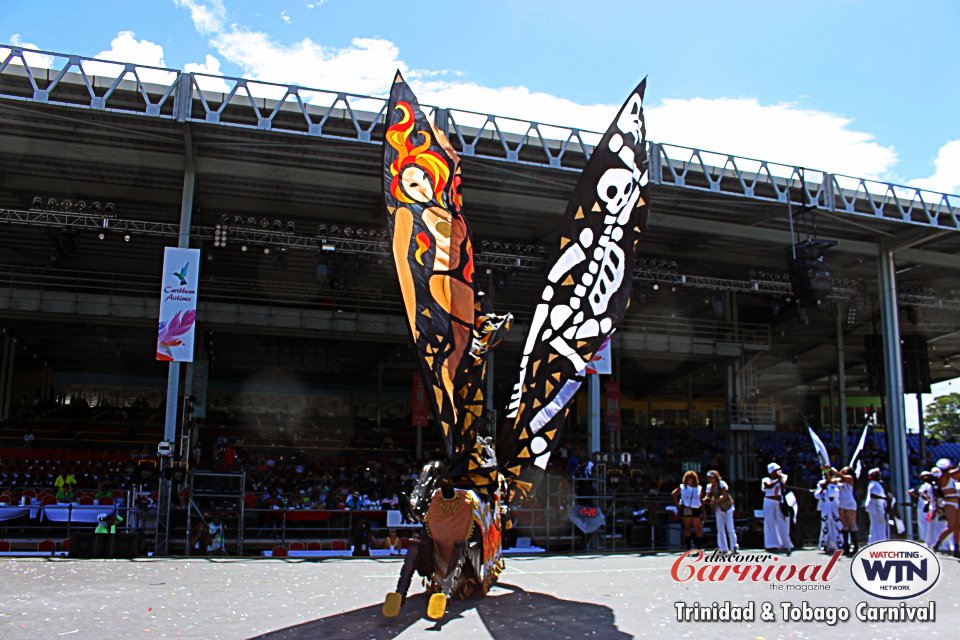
(614,188)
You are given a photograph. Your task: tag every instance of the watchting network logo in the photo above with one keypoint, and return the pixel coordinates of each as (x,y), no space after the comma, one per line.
(895,569)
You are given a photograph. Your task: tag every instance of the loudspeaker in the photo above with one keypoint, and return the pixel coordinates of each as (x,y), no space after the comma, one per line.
(102,545)
(82,545)
(913,358)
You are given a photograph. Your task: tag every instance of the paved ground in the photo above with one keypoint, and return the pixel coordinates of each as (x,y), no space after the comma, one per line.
(620,596)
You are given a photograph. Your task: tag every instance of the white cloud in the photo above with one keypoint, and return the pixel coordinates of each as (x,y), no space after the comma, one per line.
(357,68)
(946,177)
(208,15)
(125,48)
(34,60)
(783,132)
(285,16)
(313,5)
(211,67)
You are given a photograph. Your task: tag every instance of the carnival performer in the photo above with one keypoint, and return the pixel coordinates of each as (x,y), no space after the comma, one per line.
(847,509)
(937,521)
(776,524)
(876,506)
(827,495)
(717,495)
(951,504)
(689,505)
(922,497)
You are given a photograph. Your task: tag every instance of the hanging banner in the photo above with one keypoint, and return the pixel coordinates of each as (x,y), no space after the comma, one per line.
(613,405)
(419,403)
(602,361)
(178,304)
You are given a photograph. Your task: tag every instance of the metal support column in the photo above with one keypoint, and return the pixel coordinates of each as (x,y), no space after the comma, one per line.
(893,385)
(593,395)
(4,380)
(842,387)
(488,405)
(173,374)
(923,447)
(8,378)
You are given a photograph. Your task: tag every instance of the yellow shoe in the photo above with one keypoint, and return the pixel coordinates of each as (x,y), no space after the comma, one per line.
(391,605)
(437,606)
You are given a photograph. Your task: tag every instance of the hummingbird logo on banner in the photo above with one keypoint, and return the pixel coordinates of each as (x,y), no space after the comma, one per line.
(182,274)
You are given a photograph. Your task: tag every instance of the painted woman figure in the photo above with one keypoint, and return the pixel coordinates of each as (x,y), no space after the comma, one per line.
(827,495)
(717,496)
(687,499)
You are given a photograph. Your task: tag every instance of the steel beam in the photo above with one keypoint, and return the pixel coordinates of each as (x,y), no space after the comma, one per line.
(893,381)
(265,107)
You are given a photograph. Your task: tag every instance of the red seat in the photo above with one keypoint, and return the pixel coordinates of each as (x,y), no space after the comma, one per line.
(65,545)
(314,546)
(279,552)
(338,545)
(85,500)
(404,543)
(106,501)
(296,546)
(46,499)
(47,545)
(5,545)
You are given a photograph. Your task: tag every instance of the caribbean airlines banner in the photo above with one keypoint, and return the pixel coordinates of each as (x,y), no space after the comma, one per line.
(178,304)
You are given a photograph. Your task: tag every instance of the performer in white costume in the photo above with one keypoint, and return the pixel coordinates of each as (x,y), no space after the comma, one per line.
(876,506)
(776,526)
(848,509)
(950,499)
(827,495)
(717,496)
(921,495)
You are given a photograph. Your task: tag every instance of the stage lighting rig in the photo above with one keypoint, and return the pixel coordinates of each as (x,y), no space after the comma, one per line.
(810,274)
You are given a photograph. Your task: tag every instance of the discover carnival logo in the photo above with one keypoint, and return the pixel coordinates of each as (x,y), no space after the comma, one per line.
(895,569)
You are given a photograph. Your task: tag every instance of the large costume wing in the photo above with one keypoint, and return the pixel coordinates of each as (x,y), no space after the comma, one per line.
(587,289)
(434,259)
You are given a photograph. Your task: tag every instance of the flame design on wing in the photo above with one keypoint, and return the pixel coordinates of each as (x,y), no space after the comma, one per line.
(423,243)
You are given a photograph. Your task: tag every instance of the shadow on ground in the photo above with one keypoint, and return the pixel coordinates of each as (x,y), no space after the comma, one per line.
(515,615)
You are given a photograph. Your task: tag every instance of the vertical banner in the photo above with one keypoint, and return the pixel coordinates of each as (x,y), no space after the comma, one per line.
(613,405)
(178,304)
(419,404)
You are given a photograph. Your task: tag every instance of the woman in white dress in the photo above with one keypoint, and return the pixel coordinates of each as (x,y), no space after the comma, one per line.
(776,526)
(717,495)
(922,499)
(876,506)
(687,499)
(848,509)
(827,495)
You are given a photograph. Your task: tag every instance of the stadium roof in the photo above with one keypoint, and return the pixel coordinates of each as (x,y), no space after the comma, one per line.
(720,226)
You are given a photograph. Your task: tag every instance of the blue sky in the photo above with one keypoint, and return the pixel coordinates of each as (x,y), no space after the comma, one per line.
(862,87)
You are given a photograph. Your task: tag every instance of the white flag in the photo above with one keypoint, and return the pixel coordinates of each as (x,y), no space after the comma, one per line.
(863,441)
(821,448)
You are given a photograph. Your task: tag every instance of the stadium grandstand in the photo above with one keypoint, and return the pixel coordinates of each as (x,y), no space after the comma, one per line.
(767,297)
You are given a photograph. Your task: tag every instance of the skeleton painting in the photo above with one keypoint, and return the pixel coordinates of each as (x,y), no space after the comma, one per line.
(462,505)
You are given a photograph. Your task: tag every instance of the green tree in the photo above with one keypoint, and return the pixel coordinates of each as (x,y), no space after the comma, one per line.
(941,418)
